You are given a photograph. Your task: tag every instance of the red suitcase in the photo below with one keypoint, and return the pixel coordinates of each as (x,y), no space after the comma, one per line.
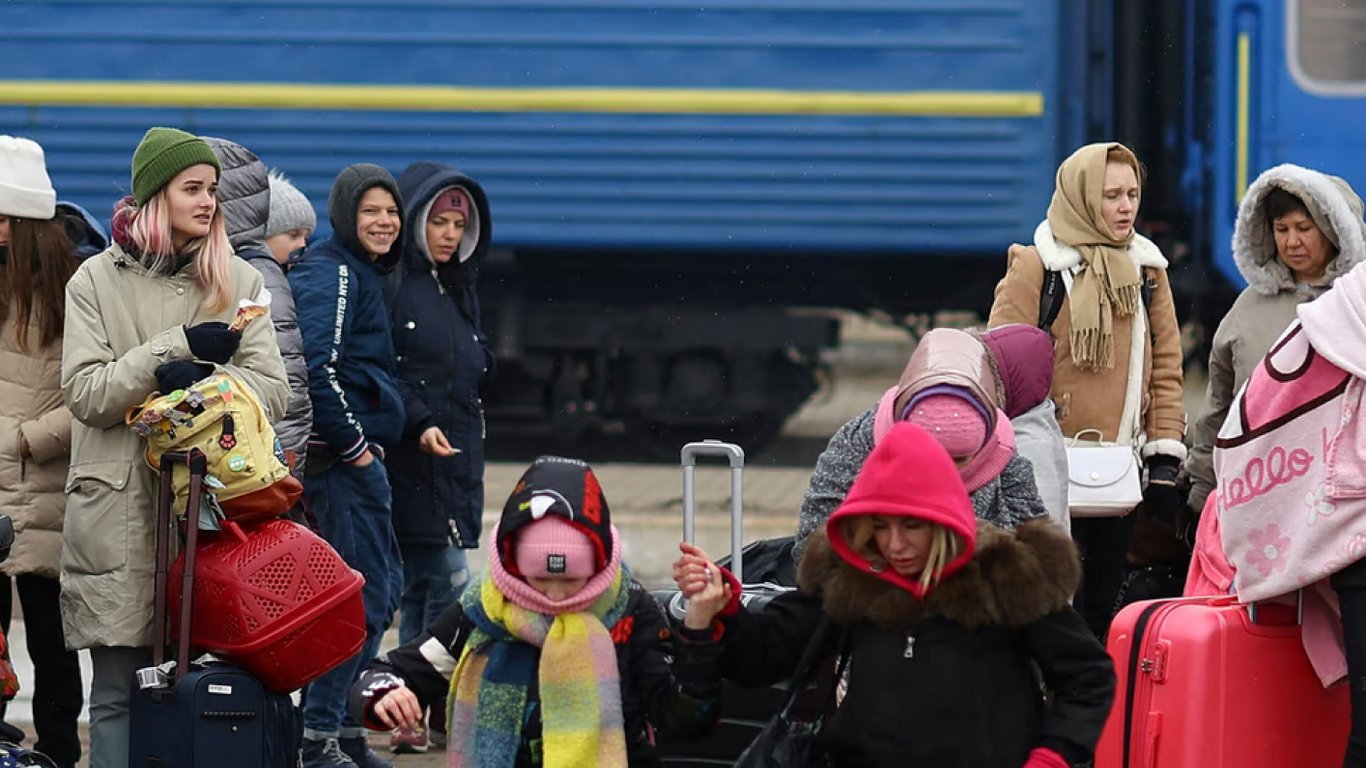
(1202,684)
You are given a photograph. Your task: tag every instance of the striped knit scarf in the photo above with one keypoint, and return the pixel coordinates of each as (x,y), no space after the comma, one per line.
(579,684)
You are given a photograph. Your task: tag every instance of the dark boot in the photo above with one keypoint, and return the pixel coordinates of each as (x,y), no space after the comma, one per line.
(1350,584)
(325,753)
(360,752)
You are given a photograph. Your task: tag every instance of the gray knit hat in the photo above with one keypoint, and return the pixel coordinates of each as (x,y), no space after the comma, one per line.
(289,209)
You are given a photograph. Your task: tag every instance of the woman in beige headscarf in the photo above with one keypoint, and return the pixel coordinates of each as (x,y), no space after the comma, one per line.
(1116,316)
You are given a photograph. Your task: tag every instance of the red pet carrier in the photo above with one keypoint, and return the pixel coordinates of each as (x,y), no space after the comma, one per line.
(275,600)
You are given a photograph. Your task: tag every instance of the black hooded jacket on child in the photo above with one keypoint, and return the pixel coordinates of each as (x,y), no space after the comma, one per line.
(344,322)
(942,676)
(442,357)
(496,656)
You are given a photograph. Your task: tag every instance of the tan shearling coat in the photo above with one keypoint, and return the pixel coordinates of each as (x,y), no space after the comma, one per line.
(31,489)
(121,323)
(1095,399)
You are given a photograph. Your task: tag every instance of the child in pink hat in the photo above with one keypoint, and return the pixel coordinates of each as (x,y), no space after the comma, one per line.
(949,388)
(555,656)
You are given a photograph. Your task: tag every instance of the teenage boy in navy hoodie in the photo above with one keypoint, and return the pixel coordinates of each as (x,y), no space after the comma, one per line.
(357,412)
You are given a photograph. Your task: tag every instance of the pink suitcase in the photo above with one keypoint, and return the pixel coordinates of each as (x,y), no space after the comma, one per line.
(1203,686)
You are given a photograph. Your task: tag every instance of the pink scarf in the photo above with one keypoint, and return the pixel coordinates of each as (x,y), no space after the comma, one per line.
(991,460)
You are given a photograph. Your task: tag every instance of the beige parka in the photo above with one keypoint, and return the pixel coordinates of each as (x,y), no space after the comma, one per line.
(121,323)
(31,489)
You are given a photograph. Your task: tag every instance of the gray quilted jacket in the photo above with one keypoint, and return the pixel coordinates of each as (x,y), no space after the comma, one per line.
(244,193)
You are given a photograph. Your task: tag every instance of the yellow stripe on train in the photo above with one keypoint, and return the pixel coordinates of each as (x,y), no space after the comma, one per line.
(404,98)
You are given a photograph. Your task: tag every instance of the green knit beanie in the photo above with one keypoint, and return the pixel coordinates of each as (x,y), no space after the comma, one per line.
(163,153)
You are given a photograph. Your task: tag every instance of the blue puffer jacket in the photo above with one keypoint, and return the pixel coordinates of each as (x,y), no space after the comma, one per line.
(345,329)
(442,358)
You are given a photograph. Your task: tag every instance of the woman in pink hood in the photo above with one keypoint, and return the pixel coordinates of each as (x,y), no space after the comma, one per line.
(945,627)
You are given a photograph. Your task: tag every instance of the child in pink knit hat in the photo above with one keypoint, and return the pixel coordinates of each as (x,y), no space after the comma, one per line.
(949,388)
(555,656)
(954,417)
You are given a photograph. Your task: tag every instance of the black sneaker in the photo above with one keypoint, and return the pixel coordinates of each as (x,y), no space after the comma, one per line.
(325,753)
(358,749)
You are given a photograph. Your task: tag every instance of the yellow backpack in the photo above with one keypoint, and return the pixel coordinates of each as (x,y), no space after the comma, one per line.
(222,417)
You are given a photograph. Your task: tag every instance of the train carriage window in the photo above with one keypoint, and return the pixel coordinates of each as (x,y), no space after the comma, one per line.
(1327,44)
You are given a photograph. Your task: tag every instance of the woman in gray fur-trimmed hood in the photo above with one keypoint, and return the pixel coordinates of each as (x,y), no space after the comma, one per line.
(1298,230)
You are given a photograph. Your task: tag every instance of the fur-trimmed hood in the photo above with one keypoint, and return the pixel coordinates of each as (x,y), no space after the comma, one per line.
(1333,205)
(1058,256)
(1014,579)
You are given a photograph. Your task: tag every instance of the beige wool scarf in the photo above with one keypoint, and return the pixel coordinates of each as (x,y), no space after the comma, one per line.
(1110,281)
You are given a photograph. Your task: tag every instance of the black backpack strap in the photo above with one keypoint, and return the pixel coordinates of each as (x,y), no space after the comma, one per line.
(1050,298)
(1147,279)
(1052,294)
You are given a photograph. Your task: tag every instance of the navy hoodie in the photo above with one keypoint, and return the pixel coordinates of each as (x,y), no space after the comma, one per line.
(443,357)
(339,293)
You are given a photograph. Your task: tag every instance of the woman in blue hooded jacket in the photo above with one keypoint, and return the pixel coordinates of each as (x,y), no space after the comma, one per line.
(437,469)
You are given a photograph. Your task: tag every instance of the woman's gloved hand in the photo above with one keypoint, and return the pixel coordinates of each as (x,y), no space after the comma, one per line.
(1162,498)
(180,374)
(213,341)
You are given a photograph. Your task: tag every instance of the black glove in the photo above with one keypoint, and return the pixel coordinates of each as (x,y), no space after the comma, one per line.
(213,342)
(1162,498)
(180,374)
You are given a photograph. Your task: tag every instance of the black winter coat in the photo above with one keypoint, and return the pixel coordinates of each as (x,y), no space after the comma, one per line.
(651,699)
(442,357)
(947,683)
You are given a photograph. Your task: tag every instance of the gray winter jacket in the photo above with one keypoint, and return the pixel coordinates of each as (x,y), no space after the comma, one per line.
(1006,501)
(244,193)
(1267,306)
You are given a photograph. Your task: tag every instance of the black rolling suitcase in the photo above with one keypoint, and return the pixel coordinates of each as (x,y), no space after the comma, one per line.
(744,711)
(209,715)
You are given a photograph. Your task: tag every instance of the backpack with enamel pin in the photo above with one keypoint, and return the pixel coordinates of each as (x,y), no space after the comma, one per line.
(222,417)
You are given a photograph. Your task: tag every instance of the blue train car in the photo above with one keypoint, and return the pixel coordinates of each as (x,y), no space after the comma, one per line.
(1289,87)
(752,125)
(672,181)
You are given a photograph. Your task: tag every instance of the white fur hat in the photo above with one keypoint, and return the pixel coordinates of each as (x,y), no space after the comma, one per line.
(25,189)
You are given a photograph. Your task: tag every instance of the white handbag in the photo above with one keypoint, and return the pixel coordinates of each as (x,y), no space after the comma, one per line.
(1103,479)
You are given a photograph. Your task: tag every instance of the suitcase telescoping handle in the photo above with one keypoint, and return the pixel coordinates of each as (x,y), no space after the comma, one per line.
(198,465)
(1299,609)
(735,455)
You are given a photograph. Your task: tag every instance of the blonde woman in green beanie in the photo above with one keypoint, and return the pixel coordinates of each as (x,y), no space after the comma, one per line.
(148,314)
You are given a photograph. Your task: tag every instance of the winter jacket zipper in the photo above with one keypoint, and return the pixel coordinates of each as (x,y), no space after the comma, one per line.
(450,398)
